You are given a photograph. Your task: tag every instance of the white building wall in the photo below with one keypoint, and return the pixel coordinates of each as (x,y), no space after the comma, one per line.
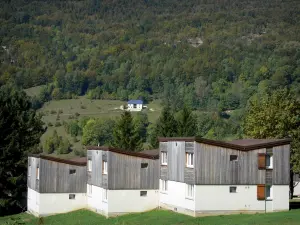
(33,201)
(175,196)
(127,201)
(43,204)
(139,107)
(281,197)
(297,188)
(96,202)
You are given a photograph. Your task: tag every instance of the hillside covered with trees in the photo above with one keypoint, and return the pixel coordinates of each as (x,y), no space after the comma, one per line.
(208,54)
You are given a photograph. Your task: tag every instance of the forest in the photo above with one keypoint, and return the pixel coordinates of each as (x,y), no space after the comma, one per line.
(211,56)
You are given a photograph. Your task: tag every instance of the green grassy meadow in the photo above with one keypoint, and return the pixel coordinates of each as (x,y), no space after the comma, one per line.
(158,217)
(84,107)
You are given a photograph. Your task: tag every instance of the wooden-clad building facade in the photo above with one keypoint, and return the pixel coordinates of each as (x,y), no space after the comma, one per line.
(120,181)
(55,185)
(221,177)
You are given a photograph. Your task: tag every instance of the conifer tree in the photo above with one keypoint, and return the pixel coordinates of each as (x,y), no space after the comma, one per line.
(187,123)
(125,136)
(20,132)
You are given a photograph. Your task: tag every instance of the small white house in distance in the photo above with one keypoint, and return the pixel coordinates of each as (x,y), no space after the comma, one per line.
(135,105)
(296,182)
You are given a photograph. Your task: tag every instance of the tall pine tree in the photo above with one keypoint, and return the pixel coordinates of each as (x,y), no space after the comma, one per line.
(187,123)
(20,132)
(125,136)
(166,126)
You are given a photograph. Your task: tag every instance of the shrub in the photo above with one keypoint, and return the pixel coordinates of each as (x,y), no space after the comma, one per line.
(80,153)
(60,111)
(83,107)
(57,124)
(77,114)
(53,111)
(71,117)
(50,124)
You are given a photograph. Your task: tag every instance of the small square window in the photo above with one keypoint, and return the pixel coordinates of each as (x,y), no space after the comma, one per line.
(143,193)
(164,185)
(190,191)
(269,161)
(89,165)
(104,193)
(37,173)
(232,189)
(144,165)
(233,157)
(72,171)
(189,160)
(89,189)
(269,192)
(71,196)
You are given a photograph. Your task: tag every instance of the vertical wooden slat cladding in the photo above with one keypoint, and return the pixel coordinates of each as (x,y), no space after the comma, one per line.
(31,180)
(125,172)
(189,175)
(269,176)
(163,147)
(261,192)
(176,160)
(163,172)
(96,167)
(213,166)
(55,177)
(189,146)
(261,157)
(281,165)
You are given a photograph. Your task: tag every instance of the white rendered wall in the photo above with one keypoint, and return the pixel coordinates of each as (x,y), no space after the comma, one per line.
(54,203)
(297,188)
(95,200)
(33,201)
(175,196)
(139,107)
(127,201)
(218,197)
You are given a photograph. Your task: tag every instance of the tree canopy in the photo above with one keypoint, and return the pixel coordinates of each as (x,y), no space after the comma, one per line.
(20,132)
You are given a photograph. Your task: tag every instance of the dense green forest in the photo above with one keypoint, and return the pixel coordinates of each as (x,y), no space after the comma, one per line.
(208,54)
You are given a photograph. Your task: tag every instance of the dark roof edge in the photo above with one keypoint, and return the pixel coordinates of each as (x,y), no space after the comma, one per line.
(122,151)
(229,145)
(59,160)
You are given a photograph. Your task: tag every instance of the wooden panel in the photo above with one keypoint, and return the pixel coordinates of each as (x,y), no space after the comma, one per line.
(261,157)
(125,172)
(56,178)
(213,166)
(163,146)
(281,165)
(189,175)
(31,180)
(261,192)
(176,160)
(269,176)
(96,168)
(163,172)
(189,146)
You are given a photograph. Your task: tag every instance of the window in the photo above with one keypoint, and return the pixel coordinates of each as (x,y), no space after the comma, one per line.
(72,171)
(37,173)
(190,191)
(164,185)
(89,165)
(232,189)
(71,196)
(104,167)
(189,159)
(89,190)
(233,157)
(104,193)
(269,161)
(144,165)
(269,193)
(164,158)
(143,193)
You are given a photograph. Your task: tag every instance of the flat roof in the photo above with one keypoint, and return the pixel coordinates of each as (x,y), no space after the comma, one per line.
(76,161)
(124,152)
(241,145)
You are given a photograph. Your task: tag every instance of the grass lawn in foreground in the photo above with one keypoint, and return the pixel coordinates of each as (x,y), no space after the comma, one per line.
(158,217)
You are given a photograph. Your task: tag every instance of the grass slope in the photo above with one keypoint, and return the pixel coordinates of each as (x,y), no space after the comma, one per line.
(158,217)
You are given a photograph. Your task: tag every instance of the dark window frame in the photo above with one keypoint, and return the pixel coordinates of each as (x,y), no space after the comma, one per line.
(144,165)
(72,196)
(143,193)
(233,158)
(232,189)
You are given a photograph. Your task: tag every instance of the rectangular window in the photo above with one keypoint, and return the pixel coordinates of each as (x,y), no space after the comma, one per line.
(233,157)
(144,165)
(72,171)
(164,158)
(104,167)
(89,165)
(71,196)
(189,159)
(37,173)
(269,193)
(89,189)
(143,193)
(232,189)
(269,161)
(104,193)
(164,185)
(190,191)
